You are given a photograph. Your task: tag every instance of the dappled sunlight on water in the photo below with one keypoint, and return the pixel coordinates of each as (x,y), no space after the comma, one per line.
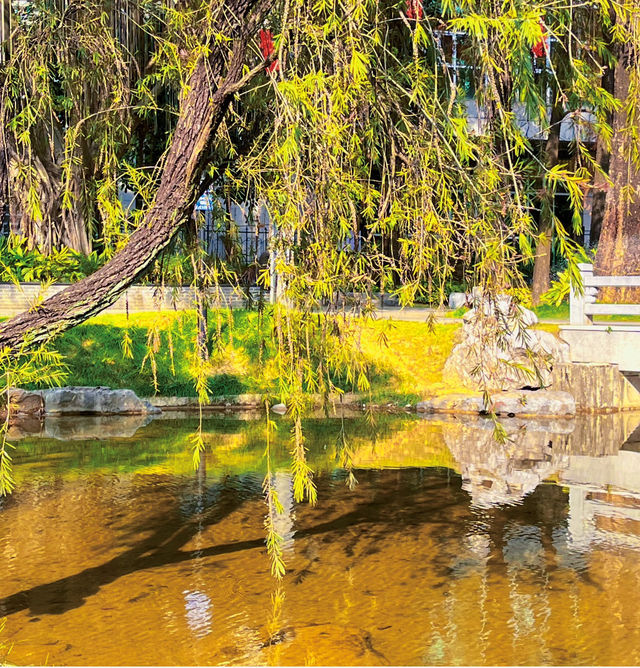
(452,548)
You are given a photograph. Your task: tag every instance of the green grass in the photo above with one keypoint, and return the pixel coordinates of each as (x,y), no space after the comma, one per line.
(560,313)
(552,312)
(405,358)
(95,355)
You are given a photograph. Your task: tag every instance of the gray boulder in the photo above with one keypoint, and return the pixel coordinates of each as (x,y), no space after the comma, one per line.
(457,299)
(520,402)
(94,400)
(80,401)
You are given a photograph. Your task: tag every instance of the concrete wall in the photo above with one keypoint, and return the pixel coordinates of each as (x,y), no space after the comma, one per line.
(137,298)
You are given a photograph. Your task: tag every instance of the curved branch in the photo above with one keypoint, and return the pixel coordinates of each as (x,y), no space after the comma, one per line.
(201,111)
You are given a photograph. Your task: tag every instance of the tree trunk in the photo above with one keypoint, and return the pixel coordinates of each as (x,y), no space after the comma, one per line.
(603,157)
(51,227)
(619,246)
(201,111)
(542,265)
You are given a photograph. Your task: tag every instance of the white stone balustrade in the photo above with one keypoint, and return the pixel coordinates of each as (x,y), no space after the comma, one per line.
(610,342)
(582,307)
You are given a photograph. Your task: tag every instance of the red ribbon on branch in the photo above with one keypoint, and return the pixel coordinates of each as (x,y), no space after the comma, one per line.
(268,50)
(414,10)
(541,48)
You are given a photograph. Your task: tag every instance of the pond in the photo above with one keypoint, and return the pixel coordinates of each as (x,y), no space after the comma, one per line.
(453,548)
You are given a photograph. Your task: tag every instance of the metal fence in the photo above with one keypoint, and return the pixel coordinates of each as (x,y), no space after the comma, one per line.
(239,234)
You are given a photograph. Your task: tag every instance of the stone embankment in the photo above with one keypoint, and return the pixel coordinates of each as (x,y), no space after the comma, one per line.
(517,370)
(540,403)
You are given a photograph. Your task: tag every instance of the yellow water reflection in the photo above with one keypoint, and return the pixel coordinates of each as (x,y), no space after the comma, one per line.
(452,549)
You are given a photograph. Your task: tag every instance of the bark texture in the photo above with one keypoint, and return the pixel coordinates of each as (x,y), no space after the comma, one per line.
(214,81)
(619,246)
(542,266)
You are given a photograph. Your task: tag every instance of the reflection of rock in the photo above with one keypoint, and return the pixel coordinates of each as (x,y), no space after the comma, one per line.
(80,401)
(25,427)
(79,428)
(556,426)
(498,471)
(517,402)
(500,351)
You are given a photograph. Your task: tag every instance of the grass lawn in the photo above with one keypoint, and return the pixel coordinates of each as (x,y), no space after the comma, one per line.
(405,358)
(412,361)
(95,354)
(561,312)
(407,367)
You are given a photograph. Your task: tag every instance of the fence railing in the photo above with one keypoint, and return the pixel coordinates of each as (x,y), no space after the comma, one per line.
(582,307)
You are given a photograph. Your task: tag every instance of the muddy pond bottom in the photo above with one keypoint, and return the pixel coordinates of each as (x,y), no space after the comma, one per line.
(452,548)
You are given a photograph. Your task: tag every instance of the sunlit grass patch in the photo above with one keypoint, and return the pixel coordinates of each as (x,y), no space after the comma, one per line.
(411,355)
(405,360)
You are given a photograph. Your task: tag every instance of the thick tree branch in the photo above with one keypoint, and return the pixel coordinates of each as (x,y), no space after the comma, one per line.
(202,109)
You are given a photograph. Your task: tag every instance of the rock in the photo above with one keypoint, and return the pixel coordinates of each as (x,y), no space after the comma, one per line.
(233,400)
(23,402)
(457,299)
(533,402)
(503,306)
(151,409)
(280,409)
(521,402)
(81,401)
(93,400)
(452,403)
(500,351)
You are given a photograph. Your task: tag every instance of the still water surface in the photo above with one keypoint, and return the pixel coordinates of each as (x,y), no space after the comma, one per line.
(451,549)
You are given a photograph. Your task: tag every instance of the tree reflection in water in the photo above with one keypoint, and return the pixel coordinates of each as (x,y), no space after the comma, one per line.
(452,547)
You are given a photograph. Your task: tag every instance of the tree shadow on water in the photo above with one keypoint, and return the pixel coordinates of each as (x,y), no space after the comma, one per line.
(163,547)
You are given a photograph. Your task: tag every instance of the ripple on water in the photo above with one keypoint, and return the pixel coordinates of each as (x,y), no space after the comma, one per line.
(118,552)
